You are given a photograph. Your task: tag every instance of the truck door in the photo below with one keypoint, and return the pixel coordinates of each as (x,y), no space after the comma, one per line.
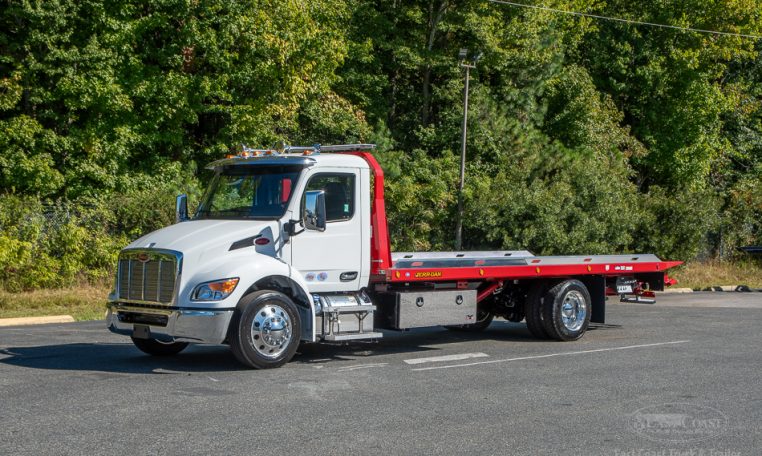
(331,260)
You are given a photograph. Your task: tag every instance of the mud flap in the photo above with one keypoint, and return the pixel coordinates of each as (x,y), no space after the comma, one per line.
(596,286)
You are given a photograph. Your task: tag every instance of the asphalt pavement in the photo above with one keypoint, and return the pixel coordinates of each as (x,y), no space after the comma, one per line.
(681,377)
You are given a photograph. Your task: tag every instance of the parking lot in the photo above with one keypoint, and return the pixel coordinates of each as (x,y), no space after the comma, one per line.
(681,377)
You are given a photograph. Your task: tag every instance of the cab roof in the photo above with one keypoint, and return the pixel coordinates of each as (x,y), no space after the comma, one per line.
(328,156)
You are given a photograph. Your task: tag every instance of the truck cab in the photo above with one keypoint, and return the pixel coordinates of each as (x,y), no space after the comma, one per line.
(297,224)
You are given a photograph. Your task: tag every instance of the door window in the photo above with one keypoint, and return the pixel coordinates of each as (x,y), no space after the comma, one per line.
(339,194)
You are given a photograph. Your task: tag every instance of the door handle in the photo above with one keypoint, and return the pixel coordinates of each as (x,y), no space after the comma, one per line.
(348,276)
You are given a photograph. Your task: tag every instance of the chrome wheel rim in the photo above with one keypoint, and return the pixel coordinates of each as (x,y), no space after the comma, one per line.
(573,310)
(271,331)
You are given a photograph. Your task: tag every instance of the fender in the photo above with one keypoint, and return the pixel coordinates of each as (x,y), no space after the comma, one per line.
(251,268)
(298,279)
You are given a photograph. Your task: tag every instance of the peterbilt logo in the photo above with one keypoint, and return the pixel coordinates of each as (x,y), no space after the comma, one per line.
(143,257)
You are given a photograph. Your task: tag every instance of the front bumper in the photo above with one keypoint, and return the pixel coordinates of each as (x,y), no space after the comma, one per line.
(208,326)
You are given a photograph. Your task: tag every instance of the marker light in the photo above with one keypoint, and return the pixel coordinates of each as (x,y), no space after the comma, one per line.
(214,291)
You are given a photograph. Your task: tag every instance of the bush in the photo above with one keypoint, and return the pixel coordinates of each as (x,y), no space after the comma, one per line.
(674,224)
(62,243)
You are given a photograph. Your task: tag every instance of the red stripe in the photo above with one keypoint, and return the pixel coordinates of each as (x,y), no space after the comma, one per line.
(522,272)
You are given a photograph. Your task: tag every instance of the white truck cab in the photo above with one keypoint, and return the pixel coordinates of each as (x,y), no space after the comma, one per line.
(184,282)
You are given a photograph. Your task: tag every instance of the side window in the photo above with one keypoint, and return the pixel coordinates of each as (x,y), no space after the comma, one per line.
(339,194)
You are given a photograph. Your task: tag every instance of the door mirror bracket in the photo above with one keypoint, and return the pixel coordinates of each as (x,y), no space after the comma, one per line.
(291,225)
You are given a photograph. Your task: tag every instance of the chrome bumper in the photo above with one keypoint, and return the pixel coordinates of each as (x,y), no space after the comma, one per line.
(177,324)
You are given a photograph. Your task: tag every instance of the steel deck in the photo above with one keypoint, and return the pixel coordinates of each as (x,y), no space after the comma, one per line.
(506,265)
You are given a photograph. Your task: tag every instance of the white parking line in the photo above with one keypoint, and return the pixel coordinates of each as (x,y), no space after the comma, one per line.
(581,352)
(361,366)
(436,359)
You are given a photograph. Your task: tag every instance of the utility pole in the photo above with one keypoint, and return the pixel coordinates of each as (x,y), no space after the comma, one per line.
(463,63)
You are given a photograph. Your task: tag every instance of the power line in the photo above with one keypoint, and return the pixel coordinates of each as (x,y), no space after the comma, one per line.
(626,21)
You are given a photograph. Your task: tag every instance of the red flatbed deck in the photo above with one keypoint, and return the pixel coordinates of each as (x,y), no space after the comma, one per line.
(459,266)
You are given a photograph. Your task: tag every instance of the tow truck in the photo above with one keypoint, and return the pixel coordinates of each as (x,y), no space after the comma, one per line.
(291,246)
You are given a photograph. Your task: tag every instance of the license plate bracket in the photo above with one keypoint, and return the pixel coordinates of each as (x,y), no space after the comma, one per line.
(141,332)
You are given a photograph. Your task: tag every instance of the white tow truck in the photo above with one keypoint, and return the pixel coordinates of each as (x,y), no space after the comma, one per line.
(292,245)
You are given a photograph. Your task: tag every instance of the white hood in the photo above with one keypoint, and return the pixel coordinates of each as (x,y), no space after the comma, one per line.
(205,246)
(196,236)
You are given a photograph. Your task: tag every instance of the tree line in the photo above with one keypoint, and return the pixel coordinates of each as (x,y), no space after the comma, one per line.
(584,136)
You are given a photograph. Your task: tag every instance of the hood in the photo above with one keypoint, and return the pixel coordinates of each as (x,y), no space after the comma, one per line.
(201,236)
(206,255)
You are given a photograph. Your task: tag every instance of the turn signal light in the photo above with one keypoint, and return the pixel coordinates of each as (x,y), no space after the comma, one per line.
(214,291)
(225,287)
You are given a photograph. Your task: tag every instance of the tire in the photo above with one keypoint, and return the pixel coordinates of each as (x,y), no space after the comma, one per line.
(265,330)
(533,309)
(566,310)
(157,348)
(484,319)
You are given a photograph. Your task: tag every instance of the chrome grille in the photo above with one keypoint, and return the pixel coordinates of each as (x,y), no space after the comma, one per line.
(148,275)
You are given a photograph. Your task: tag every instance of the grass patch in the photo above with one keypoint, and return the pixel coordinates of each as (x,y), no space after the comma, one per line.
(713,273)
(86,302)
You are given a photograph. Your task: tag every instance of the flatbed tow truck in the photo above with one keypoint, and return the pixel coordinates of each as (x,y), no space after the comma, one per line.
(292,246)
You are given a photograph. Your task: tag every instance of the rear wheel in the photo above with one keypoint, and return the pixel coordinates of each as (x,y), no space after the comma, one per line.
(158,348)
(566,310)
(533,309)
(265,330)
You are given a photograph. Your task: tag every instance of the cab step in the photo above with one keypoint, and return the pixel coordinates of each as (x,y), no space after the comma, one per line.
(348,322)
(352,336)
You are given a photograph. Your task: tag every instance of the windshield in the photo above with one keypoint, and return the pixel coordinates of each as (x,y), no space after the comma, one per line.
(258,192)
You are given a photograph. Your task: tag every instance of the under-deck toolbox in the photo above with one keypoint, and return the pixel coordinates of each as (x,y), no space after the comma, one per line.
(418,309)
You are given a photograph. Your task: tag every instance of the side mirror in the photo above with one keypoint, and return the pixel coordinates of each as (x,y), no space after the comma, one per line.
(181,208)
(313,212)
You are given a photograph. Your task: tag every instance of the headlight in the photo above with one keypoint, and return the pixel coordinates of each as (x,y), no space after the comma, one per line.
(214,291)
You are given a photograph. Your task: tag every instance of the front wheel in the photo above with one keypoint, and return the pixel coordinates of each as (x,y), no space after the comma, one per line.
(158,348)
(265,330)
(566,310)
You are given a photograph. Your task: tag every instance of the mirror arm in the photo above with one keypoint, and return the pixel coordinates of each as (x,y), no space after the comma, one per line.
(291,227)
